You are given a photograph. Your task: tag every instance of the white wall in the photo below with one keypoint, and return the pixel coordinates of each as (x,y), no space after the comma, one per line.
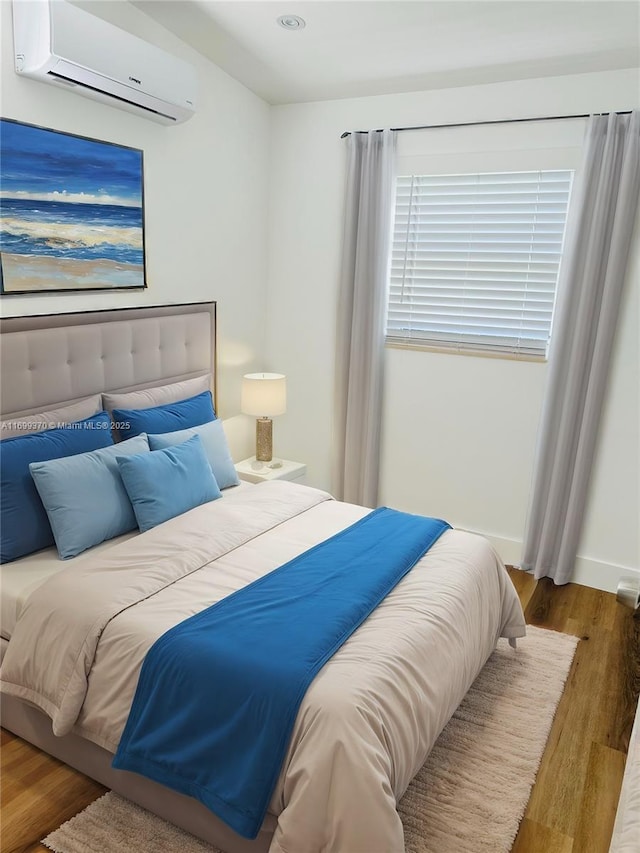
(206,184)
(462,445)
(458,431)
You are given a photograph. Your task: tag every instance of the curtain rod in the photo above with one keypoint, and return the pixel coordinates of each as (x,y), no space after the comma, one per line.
(493,121)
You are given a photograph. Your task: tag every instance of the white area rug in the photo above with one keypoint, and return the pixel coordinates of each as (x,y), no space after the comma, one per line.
(468,798)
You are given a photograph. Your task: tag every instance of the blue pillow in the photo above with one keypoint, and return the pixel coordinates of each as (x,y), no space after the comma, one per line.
(214,442)
(168,482)
(84,496)
(24,525)
(170,416)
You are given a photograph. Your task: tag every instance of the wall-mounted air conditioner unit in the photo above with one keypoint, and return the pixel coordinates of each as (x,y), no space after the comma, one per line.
(58,43)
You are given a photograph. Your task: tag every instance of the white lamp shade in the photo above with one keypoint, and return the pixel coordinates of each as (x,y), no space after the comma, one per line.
(264,395)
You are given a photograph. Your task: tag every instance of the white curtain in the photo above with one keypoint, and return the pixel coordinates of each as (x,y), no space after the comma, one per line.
(599,230)
(361,314)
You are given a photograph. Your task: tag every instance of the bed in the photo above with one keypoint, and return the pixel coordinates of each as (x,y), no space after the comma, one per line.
(370,716)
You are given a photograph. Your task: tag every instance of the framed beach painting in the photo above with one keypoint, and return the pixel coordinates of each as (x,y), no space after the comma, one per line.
(71,212)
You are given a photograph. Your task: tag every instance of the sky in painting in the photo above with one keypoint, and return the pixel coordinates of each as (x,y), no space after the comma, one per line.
(44,164)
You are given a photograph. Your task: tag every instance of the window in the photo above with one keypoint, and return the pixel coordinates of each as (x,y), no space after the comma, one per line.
(475,260)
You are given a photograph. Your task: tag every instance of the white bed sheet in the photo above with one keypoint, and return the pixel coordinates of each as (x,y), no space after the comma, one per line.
(21,577)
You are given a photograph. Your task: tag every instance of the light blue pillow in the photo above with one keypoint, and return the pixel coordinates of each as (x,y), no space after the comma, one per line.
(215,446)
(24,524)
(168,417)
(168,482)
(84,496)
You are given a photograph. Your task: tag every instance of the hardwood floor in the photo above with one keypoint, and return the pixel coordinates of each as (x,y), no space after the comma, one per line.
(38,794)
(573,803)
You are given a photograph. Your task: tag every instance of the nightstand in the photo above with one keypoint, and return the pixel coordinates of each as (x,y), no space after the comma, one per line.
(261,472)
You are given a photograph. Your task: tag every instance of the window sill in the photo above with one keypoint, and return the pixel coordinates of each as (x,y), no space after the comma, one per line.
(476,353)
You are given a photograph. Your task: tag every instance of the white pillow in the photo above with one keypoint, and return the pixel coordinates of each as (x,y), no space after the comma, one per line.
(50,420)
(148,398)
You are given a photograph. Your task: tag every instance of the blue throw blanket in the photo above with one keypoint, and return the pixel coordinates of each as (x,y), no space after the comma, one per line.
(218,694)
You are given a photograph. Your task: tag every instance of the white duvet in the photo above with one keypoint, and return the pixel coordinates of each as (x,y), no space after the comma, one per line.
(371,715)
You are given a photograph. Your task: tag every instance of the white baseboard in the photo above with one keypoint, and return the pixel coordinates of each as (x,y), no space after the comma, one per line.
(588,572)
(602,575)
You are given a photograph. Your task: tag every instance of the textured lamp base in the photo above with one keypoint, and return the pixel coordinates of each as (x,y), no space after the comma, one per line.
(264,439)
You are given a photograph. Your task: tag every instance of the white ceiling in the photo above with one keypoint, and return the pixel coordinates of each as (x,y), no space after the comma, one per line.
(351,48)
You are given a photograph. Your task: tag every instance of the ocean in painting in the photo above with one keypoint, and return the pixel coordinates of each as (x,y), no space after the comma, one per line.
(70,230)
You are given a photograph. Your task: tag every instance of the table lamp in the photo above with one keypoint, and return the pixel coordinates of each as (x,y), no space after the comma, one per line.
(264,395)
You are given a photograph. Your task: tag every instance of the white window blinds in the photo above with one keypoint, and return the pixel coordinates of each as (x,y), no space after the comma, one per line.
(475,260)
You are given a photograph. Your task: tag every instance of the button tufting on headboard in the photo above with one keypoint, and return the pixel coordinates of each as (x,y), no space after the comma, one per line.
(45,365)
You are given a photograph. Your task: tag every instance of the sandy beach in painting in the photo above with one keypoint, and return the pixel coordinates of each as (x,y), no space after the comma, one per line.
(26,273)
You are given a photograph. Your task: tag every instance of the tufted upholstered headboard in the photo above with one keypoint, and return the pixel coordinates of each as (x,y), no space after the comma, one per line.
(51,360)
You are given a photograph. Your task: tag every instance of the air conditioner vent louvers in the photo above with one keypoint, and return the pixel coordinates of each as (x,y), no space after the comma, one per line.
(115,97)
